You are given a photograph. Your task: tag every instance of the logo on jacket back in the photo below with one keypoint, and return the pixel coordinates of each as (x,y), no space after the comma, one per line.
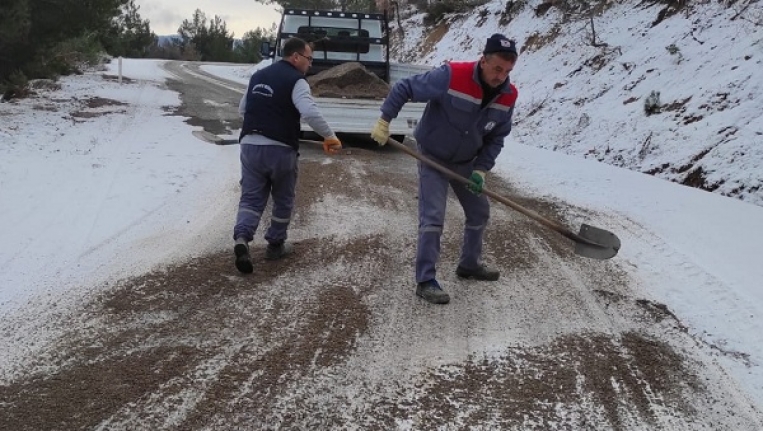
(263,90)
(489,126)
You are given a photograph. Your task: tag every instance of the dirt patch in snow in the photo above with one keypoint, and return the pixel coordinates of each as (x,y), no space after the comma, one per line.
(433,38)
(125,79)
(160,331)
(550,379)
(96,107)
(100,102)
(536,41)
(347,175)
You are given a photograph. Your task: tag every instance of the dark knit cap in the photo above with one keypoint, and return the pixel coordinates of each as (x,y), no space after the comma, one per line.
(500,43)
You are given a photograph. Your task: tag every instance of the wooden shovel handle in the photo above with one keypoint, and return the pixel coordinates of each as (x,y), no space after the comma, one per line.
(529,213)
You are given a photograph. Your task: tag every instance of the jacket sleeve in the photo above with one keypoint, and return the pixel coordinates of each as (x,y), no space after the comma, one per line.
(417,88)
(305,104)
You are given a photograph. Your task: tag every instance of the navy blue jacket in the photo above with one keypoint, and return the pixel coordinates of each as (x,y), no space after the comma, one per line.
(455,127)
(270,110)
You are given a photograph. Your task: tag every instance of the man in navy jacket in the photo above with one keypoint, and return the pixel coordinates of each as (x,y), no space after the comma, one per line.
(277,98)
(467,118)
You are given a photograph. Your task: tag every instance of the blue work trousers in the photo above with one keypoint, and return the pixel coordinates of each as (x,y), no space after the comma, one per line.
(433,195)
(266,170)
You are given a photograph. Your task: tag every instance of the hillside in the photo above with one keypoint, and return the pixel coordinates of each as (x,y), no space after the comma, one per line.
(586,96)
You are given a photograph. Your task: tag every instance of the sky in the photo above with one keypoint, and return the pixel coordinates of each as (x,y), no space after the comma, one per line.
(239,15)
(96,197)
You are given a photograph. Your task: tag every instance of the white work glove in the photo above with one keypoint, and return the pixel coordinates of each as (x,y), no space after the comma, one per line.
(380,134)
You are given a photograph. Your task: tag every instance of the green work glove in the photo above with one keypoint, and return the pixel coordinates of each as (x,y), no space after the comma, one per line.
(477,182)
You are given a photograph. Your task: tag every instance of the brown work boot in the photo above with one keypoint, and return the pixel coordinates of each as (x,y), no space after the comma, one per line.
(432,292)
(482,273)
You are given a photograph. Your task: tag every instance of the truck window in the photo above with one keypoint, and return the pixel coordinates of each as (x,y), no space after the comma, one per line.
(336,39)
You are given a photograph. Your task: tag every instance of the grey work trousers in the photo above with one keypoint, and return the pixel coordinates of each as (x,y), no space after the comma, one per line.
(266,170)
(433,195)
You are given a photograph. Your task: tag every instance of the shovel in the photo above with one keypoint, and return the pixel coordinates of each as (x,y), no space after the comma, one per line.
(592,242)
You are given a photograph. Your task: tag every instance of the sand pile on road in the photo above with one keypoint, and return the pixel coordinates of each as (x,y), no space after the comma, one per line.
(349,80)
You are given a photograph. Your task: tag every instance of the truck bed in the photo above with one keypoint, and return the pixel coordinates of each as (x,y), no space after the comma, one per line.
(359,116)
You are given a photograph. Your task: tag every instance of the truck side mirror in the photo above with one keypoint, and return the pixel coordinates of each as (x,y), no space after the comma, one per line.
(265,50)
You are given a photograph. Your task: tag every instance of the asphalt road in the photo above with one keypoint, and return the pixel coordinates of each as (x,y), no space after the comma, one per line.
(333,337)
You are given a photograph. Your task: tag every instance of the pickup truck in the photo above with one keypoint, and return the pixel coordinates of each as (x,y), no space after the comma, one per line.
(340,37)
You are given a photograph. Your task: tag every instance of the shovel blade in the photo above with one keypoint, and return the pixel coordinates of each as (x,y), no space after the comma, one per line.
(606,244)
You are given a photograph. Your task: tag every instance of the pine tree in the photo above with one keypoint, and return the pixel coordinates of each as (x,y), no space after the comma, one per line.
(130,35)
(15,24)
(212,43)
(248,50)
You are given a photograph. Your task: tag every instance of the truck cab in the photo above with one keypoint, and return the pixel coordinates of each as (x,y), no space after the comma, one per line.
(337,37)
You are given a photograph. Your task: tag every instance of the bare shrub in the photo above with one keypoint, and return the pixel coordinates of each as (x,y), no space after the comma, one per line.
(436,11)
(652,103)
(537,41)
(513,8)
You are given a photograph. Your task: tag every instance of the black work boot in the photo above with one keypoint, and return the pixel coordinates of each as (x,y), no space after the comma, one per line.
(277,250)
(482,273)
(243,260)
(432,292)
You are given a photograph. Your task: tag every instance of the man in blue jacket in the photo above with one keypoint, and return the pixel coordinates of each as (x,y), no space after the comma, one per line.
(467,117)
(277,97)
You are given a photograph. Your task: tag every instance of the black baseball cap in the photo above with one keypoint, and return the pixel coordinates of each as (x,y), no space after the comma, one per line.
(500,43)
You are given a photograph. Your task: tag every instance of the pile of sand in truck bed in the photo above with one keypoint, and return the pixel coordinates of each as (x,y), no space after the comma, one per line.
(348,80)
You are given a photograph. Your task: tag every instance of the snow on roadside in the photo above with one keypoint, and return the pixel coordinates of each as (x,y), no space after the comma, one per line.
(234,72)
(90,184)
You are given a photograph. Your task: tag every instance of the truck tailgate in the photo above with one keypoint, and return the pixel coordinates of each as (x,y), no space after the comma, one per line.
(360,115)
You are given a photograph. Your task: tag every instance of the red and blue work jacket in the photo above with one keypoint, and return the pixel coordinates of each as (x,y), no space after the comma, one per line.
(455,128)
